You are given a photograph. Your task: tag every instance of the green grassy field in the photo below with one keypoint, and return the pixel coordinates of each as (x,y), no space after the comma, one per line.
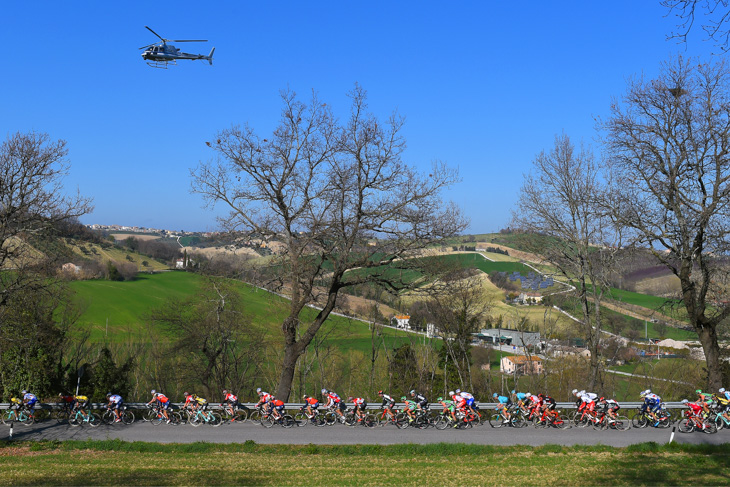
(114,462)
(124,304)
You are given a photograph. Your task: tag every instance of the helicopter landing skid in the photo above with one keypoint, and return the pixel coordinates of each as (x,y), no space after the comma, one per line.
(161,64)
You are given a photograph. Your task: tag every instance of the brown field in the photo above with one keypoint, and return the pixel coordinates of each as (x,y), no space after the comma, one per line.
(138,236)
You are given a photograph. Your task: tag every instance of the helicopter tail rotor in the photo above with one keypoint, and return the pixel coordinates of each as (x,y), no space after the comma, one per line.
(209,57)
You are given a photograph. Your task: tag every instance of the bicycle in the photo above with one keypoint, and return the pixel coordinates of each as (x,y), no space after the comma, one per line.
(201,416)
(388,416)
(79,417)
(516,417)
(236,413)
(155,415)
(18,414)
(693,422)
(352,419)
(63,413)
(317,418)
(125,417)
(619,423)
(643,419)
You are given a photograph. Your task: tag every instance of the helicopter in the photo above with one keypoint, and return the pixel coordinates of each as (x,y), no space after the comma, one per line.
(160,54)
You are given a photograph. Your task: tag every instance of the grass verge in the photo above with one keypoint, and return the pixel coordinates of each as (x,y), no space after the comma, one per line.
(135,463)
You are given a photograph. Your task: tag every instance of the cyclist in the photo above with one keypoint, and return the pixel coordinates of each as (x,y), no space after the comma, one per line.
(704,400)
(195,402)
(115,404)
(588,401)
(276,406)
(448,406)
(68,403)
(548,406)
(420,400)
(81,403)
(469,400)
(230,403)
(312,404)
(723,400)
(609,407)
(263,397)
(652,403)
(360,406)
(29,400)
(388,403)
(163,402)
(334,402)
(503,403)
(410,408)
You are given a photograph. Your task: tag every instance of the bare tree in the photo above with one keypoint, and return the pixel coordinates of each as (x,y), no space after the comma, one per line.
(337,196)
(559,203)
(715,13)
(32,204)
(669,143)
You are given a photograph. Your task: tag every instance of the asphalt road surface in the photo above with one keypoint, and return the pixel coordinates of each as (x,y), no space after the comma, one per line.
(342,435)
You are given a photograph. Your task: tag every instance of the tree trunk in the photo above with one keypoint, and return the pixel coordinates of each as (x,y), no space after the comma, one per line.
(708,339)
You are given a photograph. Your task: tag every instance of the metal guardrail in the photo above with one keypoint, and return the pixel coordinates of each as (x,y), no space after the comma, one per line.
(297,405)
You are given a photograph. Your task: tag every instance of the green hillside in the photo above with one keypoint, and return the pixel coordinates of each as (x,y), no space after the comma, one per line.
(124,305)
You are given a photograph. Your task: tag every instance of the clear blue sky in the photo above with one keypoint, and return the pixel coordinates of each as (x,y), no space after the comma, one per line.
(484,86)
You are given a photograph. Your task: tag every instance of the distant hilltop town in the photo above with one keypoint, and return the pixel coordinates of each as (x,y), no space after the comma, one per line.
(152,231)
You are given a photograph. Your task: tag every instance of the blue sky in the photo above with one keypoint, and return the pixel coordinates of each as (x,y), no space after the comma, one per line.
(484,86)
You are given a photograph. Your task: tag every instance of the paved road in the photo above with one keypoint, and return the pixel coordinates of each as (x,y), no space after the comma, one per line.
(340,435)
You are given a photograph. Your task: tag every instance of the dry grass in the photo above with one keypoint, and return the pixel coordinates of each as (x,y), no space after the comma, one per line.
(364,466)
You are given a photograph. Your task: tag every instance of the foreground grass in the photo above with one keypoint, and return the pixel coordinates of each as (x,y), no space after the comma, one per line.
(114,462)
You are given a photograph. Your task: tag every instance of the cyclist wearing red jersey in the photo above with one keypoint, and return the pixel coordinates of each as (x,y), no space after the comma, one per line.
(334,401)
(360,406)
(230,403)
(312,404)
(276,407)
(163,401)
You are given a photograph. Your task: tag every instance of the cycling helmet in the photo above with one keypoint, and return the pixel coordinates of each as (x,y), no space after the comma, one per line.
(722,390)
(495,395)
(258,390)
(527,394)
(403,398)
(24,391)
(644,393)
(153,391)
(186,394)
(513,391)
(108,394)
(575,391)
(305,397)
(458,391)
(439,399)
(684,401)
(225,391)
(60,394)
(380,393)
(699,391)
(324,391)
(541,395)
(413,392)
(451,393)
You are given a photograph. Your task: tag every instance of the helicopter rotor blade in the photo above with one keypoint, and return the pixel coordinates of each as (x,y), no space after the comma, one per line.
(148,45)
(187,40)
(155,33)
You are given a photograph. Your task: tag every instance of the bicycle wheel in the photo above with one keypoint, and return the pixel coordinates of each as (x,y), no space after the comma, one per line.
(350,419)
(149,415)
(561,423)
(301,419)
(195,420)
(640,421)
(75,420)
(401,421)
(241,416)
(330,418)
(496,420)
(517,421)
(287,421)
(8,416)
(686,426)
(267,421)
(255,416)
(709,427)
(442,422)
(215,419)
(108,417)
(94,420)
(621,423)
(600,424)
(158,418)
(127,417)
(61,415)
(369,421)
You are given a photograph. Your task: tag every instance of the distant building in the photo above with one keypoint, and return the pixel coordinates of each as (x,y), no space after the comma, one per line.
(520,364)
(529,298)
(516,337)
(403,321)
